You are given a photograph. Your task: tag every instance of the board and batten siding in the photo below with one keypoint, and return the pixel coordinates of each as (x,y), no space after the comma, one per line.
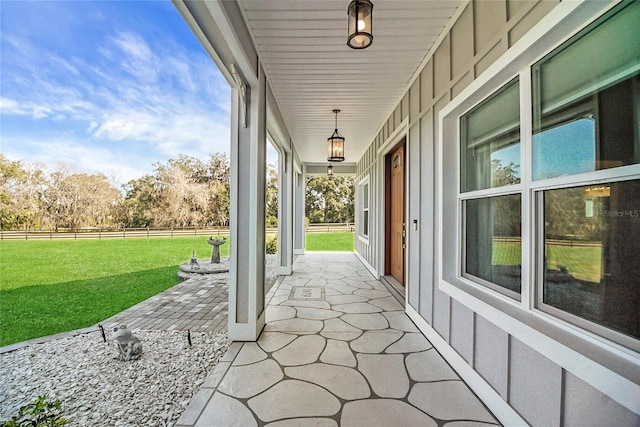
(533,387)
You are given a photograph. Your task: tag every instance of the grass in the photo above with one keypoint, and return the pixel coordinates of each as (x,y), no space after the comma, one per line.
(341,241)
(506,253)
(582,262)
(53,286)
(47,287)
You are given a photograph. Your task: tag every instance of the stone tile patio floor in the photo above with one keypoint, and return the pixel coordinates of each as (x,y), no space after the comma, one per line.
(337,349)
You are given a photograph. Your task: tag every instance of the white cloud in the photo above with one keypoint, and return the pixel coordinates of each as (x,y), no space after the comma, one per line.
(135,103)
(10,106)
(79,156)
(133,45)
(136,57)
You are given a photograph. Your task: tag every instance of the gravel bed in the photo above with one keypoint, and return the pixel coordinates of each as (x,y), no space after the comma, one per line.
(96,389)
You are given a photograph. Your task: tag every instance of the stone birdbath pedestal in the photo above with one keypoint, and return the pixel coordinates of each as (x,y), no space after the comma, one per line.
(216,243)
(195,267)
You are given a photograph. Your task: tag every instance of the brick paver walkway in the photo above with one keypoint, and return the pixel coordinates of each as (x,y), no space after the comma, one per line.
(199,304)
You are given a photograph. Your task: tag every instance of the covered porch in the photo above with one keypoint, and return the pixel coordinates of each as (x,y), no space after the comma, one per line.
(290,69)
(337,349)
(402,102)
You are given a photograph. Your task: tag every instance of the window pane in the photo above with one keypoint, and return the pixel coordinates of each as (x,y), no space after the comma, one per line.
(493,247)
(491,141)
(586,99)
(365,223)
(592,253)
(365,196)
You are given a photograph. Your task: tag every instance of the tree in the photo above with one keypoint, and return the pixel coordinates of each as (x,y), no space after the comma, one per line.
(271,210)
(506,209)
(182,200)
(12,175)
(77,200)
(330,199)
(139,201)
(22,186)
(218,180)
(504,175)
(183,192)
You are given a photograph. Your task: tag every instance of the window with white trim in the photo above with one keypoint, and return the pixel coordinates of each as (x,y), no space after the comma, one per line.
(491,191)
(364,215)
(572,184)
(586,124)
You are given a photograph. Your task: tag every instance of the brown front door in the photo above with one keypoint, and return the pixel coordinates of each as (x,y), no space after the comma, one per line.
(395,214)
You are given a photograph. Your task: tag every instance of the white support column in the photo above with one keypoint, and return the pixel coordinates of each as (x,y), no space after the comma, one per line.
(299,188)
(286,176)
(248,180)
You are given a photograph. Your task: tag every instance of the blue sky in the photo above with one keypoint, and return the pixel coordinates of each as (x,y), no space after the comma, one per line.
(107,87)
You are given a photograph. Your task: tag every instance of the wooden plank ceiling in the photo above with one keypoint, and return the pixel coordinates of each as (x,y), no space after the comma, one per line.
(302,44)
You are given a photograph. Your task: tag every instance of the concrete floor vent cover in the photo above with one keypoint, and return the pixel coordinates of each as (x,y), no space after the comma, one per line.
(306,293)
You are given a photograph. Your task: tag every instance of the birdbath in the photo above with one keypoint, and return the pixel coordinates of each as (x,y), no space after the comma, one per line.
(216,243)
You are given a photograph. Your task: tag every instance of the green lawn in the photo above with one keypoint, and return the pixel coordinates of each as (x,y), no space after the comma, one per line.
(47,287)
(582,262)
(340,241)
(52,286)
(506,253)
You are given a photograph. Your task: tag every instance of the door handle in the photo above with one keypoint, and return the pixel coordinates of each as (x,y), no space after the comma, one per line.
(404,235)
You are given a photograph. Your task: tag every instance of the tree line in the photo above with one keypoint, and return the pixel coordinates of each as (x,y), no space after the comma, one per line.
(183,192)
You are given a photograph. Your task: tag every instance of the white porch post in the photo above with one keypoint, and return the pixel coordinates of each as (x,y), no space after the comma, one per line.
(248,179)
(299,184)
(286,176)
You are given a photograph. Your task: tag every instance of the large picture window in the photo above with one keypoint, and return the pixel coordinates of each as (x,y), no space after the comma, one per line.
(556,192)
(586,119)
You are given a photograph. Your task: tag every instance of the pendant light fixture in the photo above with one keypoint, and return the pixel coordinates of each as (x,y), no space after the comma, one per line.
(360,14)
(335,144)
(330,170)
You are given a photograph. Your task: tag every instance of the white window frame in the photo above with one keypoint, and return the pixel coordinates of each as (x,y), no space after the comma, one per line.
(549,335)
(364,186)
(627,173)
(488,193)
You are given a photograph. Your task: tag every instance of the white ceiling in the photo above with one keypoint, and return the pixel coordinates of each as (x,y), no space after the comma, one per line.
(302,44)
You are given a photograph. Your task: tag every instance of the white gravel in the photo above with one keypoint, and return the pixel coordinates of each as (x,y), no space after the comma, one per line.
(95,389)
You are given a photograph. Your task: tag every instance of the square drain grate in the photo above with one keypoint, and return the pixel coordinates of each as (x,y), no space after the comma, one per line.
(306,293)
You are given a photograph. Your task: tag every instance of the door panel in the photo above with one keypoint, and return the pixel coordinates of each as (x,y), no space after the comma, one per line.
(396,218)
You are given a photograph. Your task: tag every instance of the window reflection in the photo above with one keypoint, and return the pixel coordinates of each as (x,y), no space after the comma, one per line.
(565,150)
(592,253)
(586,100)
(491,141)
(493,244)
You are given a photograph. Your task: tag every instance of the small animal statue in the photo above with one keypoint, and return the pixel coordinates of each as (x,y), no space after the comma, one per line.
(128,345)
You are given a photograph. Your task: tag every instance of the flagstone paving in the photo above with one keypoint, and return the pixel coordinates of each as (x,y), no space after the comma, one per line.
(337,349)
